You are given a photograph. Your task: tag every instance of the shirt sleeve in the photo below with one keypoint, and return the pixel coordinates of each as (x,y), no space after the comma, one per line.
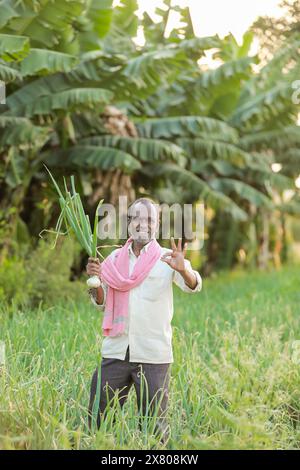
(180,282)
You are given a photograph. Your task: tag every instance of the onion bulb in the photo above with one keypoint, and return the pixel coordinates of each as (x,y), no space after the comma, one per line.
(93,281)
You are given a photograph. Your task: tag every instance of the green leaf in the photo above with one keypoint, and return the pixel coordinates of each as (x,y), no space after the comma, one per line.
(66,100)
(263,107)
(197,186)
(140,148)
(235,68)
(88,156)
(8,74)
(241,189)
(13,47)
(46,23)
(23,132)
(7,13)
(150,68)
(94,249)
(44,61)
(203,149)
(185,126)
(277,139)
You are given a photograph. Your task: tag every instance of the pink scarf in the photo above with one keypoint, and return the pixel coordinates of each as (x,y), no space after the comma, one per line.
(116,275)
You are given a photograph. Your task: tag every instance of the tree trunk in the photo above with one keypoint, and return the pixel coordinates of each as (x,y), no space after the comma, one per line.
(264,255)
(111,184)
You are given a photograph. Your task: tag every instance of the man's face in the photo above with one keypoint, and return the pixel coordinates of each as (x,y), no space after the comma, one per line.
(142,222)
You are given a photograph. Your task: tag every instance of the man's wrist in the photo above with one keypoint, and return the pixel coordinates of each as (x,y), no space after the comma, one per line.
(190,278)
(182,271)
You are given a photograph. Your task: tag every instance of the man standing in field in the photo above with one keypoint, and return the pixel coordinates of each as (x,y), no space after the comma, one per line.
(137,298)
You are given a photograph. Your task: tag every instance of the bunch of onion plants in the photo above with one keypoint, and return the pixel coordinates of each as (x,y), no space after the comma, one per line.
(77,222)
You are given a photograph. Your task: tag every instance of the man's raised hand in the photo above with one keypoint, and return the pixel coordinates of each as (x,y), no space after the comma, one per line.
(176,259)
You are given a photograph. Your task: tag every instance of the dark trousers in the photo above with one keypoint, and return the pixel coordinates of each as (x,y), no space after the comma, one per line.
(151,382)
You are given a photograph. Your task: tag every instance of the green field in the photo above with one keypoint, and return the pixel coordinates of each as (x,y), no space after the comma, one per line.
(235,377)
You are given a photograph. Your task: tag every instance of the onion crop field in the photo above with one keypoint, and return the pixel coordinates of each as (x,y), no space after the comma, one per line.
(235,381)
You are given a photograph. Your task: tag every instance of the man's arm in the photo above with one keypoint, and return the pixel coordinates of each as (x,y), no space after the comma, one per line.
(181,280)
(189,278)
(98,296)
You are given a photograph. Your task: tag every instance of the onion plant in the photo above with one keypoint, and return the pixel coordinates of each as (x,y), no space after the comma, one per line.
(77,222)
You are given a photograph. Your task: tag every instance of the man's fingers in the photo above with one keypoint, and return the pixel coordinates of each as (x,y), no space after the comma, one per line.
(92,272)
(94,269)
(166,260)
(173,244)
(94,265)
(168,255)
(179,246)
(184,249)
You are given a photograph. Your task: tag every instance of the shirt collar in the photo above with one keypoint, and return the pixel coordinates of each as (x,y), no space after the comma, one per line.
(145,248)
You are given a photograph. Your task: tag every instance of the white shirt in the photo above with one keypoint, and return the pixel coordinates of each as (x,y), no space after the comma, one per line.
(148,330)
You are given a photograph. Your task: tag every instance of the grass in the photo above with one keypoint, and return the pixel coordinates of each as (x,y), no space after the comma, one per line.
(234,384)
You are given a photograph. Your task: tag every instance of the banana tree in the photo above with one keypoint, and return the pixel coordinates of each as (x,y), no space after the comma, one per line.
(179,128)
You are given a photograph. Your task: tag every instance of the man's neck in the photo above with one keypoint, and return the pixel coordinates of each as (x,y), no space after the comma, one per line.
(137,246)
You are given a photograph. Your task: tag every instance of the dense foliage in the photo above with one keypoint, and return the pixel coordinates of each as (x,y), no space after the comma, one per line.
(127,119)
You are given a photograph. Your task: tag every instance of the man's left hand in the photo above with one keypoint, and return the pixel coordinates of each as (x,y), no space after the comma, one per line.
(176,261)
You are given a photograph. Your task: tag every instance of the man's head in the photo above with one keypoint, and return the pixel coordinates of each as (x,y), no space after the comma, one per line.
(143,220)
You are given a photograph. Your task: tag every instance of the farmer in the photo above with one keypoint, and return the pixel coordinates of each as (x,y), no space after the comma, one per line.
(137,298)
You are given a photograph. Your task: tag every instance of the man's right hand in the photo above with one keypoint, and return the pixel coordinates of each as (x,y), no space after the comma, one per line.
(93,268)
